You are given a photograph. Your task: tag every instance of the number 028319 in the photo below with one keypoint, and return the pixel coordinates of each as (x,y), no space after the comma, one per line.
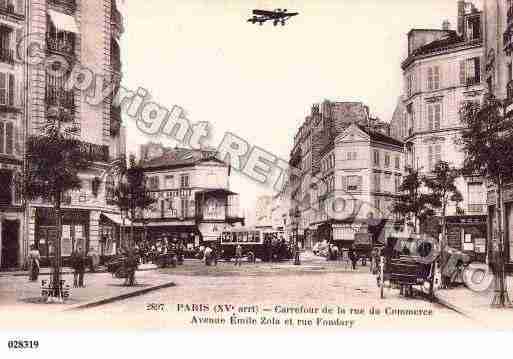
(22,344)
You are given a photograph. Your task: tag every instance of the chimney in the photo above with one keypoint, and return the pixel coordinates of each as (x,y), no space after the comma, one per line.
(446,25)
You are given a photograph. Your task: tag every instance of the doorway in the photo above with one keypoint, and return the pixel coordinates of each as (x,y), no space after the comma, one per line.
(10,244)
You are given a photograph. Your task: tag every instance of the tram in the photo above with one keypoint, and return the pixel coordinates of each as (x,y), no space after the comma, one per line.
(264,244)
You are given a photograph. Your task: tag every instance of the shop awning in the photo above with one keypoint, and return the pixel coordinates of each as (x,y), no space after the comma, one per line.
(63,22)
(217,191)
(116,218)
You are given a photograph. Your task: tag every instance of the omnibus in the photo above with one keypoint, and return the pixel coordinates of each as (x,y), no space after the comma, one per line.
(265,244)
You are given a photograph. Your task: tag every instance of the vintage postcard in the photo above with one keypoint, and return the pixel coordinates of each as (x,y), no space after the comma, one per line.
(255,165)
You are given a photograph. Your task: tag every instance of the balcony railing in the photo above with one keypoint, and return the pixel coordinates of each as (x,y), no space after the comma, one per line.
(94,152)
(476,208)
(7,56)
(61,46)
(70,5)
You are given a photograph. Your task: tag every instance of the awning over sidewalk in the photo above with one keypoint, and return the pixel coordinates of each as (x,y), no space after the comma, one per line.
(63,22)
(116,218)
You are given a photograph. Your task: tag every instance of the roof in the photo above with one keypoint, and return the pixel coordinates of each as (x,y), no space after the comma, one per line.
(380,137)
(452,38)
(175,157)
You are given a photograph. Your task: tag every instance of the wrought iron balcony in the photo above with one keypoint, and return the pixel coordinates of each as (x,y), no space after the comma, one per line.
(476,208)
(6,56)
(94,152)
(61,46)
(56,97)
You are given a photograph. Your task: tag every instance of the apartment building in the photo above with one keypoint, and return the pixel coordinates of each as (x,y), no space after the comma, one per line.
(444,70)
(325,122)
(13,17)
(81,33)
(361,172)
(194,202)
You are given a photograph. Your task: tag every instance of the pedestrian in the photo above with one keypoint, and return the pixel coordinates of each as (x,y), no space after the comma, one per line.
(33,260)
(131,266)
(238,255)
(215,254)
(81,268)
(75,265)
(353,257)
(335,252)
(95,260)
(208,256)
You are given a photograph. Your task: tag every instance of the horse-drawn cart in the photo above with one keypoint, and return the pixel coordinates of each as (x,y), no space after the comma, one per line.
(409,262)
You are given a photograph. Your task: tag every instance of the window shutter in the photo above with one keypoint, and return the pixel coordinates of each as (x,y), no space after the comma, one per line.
(2,137)
(430,78)
(9,138)
(360,183)
(3,94)
(19,7)
(477,69)
(463,72)
(438,112)
(430,117)
(344,183)
(437,78)
(12,86)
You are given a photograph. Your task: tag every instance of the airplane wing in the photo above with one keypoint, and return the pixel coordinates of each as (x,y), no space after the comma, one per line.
(263,12)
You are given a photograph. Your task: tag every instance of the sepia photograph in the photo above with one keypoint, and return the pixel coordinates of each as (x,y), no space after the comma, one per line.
(251,166)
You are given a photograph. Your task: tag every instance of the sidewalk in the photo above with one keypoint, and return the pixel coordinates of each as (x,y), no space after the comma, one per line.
(476,305)
(17,293)
(67,270)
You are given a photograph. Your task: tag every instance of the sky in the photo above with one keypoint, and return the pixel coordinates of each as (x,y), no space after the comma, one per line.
(259,82)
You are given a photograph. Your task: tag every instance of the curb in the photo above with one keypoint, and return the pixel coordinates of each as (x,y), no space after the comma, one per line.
(452,307)
(109,300)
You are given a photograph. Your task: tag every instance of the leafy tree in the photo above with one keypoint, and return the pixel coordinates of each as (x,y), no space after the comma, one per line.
(131,194)
(487,142)
(443,189)
(54,161)
(412,203)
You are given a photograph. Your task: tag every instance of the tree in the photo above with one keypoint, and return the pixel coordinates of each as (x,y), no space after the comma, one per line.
(131,194)
(443,190)
(487,142)
(54,161)
(412,202)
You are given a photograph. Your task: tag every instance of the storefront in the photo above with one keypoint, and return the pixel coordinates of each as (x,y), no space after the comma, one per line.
(74,236)
(468,234)
(508,226)
(10,241)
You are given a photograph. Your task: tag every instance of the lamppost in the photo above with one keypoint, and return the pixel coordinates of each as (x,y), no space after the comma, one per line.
(297,260)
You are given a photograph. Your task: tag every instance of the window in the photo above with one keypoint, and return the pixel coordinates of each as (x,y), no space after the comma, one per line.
(376,158)
(170,181)
(470,71)
(6,137)
(434,116)
(109,188)
(377,182)
(433,77)
(153,183)
(353,184)
(7,86)
(184,181)
(185,207)
(434,156)
(377,204)
(397,162)
(397,183)
(387,159)
(410,79)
